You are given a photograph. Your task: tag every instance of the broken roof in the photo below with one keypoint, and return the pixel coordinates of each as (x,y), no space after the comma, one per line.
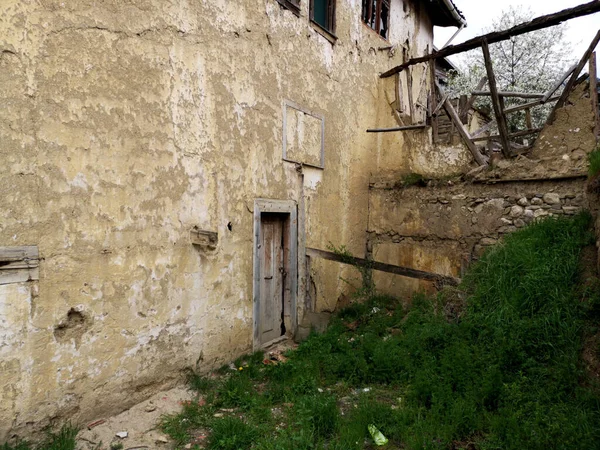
(444,13)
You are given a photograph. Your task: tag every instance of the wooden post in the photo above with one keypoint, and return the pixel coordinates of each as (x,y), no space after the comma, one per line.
(528,120)
(496,101)
(434,103)
(464,134)
(569,87)
(594,92)
(411,103)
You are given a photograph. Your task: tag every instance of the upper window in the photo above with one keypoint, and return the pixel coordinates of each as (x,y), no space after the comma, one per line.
(322,12)
(292,5)
(376,14)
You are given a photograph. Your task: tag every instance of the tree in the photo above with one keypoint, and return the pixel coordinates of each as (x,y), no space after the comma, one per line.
(532,62)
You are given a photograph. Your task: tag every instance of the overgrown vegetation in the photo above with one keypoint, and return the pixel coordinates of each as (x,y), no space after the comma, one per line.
(594,159)
(64,439)
(504,372)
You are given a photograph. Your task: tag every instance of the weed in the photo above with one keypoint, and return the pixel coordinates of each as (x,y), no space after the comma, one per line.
(505,372)
(230,433)
(63,439)
(413,179)
(594,160)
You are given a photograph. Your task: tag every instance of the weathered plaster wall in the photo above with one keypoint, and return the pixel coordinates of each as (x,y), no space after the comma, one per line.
(124,125)
(442,229)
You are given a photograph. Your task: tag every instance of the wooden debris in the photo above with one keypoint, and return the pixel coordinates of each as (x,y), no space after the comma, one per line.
(418,126)
(594,92)
(462,131)
(571,83)
(508,94)
(19,264)
(497,102)
(554,88)
(538,23)
(528,105)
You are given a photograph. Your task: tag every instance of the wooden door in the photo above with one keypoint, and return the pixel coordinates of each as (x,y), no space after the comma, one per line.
(272,276)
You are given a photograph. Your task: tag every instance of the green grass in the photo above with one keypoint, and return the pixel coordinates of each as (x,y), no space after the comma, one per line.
(504,374)
(63,439)
(594,159)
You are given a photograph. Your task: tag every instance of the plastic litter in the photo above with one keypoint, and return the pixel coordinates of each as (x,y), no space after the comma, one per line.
(377,436)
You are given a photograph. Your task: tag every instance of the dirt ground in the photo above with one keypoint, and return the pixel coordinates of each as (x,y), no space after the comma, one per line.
(140,423)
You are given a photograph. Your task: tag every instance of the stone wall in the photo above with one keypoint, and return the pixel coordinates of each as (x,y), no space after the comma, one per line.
(443,228)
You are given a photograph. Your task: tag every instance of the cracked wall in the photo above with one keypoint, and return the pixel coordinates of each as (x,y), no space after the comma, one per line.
(126,124)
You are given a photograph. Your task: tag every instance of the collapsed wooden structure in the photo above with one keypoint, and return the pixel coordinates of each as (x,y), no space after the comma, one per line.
(506,139)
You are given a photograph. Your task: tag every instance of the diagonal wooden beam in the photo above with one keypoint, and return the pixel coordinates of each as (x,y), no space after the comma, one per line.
(594,92)
(571,83)
(538,23)
(559,83)
(464,134)
(497,102)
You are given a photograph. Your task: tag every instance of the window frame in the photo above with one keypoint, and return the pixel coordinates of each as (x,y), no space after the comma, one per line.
(378,8)
(292,5)
(331,10)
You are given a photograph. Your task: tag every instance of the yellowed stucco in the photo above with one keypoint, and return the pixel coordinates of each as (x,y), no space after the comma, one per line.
(124,124)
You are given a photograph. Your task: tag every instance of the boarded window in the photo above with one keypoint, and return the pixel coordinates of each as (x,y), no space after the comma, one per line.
(322,12)
(376,14)
(292,5)
(303,136)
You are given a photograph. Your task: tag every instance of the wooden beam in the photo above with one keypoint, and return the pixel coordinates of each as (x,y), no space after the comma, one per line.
(571,83)
(411,103)
(516,108)
(482,130)
(464,134)
(528,119)
(559,83)
(538,23)
(497,102)
(434,102)
(517,134)
(508,94)
(382,267)
(19,264)
(471,101)
(594,91)
(419,126)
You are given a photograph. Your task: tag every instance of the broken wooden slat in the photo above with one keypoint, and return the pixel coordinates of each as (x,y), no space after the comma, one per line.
(538,23)
(497,102)
(571,83)
(516,108)
(418,126)
(512,135)
(508,94)
(19,264)
(480,131)
(554,88)
(471,101)
(464,134)
(382,267)
(594,92)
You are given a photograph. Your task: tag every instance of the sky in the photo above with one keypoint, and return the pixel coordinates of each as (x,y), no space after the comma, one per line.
(480,14)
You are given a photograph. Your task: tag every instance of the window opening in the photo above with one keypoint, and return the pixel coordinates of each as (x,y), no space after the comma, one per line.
(322,12)
(376,15)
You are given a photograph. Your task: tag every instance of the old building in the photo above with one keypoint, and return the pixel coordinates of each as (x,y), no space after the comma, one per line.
(165,166)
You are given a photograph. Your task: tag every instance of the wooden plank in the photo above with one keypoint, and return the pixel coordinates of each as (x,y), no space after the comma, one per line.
(538,23)
(508,94)
(463,112)
(19,264)
(528,105)
(528,120)
(558,84)
(419,126)
(496,101)
(411,103)
(434,102)
(462,131)
(382,267)
(398,87)
(571,83)
(594,91)
(517,134)
(471,101)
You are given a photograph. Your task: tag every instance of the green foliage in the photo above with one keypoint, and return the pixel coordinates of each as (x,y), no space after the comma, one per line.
(506,373)
(230,433)
(594,159)
(63,439)
(413,179)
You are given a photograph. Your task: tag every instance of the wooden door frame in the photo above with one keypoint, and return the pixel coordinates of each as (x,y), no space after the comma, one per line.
(290,208)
